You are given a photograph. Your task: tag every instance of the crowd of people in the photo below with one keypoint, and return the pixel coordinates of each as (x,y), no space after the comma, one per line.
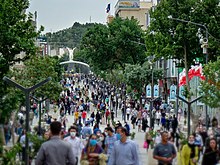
(86,132)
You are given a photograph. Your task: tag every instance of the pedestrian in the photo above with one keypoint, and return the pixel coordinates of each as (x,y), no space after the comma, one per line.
(127,127)
(112,115)
(98,117)
(148,138)
(92,117)
(128,111)
(75,142)
(91,152)
(144,124)
(164,152)
(22,142)
(190,152)
(212,154)
(109,140)
(125,151)
(158,116)
(101,140)
(86,131)
(174,124)
(55,151)
(84,116)
(133,121)
(107,116)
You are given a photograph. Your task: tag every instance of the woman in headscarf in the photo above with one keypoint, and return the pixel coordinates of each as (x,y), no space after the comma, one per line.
(212,154)
(92,151)
(190,152)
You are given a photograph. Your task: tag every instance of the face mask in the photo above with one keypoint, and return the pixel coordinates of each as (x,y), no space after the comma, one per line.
(101,138)
(191,142)
(87,138)
(118,136)
(93,142)
(72,134)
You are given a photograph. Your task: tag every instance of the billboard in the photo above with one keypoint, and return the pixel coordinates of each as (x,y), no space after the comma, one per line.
(129,4)
(173,93)
(148,91)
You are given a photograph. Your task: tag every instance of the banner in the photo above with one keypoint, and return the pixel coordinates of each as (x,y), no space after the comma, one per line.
(173,93)
(148,91)
(156,91)
(181,92)
(129,3)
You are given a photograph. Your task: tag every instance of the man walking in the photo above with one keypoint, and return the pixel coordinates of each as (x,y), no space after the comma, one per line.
(110,140)
(164,152)
(125,151)
(55,151)
(76,143)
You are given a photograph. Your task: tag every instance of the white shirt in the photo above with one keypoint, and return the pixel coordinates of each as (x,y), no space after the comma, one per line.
(157,139)
(128,110)
(76,145)
(158,115)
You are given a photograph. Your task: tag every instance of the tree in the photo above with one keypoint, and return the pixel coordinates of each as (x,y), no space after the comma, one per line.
(137,77)
(169,38)
(211,88)
(17,35)
(111,47)
(36,70)
(69,37)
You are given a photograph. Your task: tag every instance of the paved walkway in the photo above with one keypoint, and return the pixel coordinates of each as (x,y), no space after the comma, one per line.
(146,157)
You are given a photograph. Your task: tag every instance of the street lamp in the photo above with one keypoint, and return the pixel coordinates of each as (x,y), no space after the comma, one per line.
(177,65)
(152,94)
(39,101)
(204,46)
(27,92)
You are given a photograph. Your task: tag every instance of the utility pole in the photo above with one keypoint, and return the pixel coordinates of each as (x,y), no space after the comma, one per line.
(39,101)
(189,110)
(27,92)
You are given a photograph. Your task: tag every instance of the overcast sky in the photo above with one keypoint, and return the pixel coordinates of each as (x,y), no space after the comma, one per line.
(56,15)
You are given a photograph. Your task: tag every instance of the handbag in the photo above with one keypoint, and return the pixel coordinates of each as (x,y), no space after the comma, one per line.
(145,145)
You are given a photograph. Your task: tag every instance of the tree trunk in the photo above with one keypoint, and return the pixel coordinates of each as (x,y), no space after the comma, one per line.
(2,135)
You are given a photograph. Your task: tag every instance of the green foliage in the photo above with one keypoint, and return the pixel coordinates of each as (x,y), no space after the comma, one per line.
(210,89)
(17,34)
(106,48)
(137,77)
(153,133)
(36,70)
(37,142)
(9,155)
(9,103)
(132,135)
(168,38)
(116,77)
(69,37)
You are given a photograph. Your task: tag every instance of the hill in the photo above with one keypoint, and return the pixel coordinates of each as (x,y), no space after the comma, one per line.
(69,37)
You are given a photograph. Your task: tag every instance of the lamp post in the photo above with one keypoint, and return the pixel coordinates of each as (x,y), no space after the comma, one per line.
(124,94)
(205,50)
(39,101)
(177,65)
(27,92)
(152,94)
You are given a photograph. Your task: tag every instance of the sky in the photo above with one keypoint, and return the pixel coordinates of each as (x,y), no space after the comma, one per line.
(57,15)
